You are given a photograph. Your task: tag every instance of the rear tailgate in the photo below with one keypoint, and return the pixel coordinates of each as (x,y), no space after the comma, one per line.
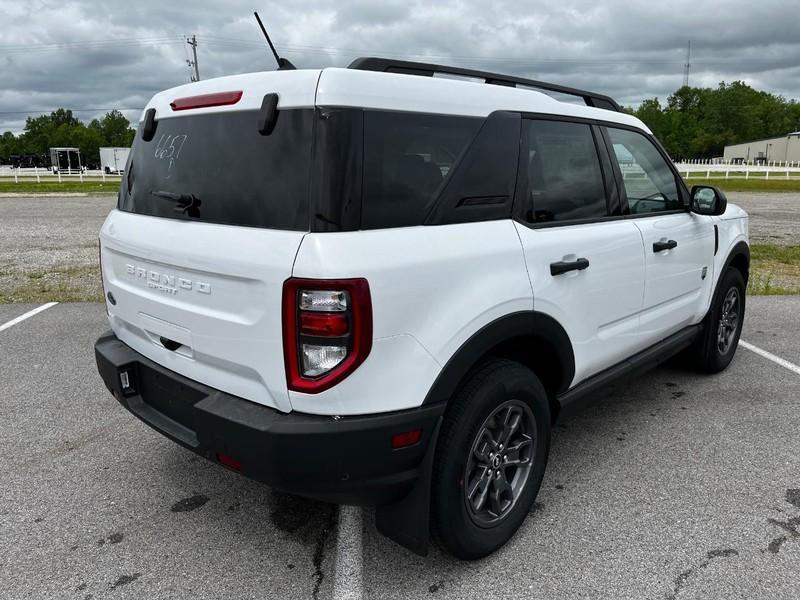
(215,290)
(210,217)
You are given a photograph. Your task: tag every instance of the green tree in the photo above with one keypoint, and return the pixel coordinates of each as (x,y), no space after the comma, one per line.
(62,129)
(9,144)
(700,122)
(115,128)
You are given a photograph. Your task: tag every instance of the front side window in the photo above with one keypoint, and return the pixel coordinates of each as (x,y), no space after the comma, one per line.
(649,182)
(564,177)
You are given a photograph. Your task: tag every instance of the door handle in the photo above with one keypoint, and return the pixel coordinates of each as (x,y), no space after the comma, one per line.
(664,245)
(557,268)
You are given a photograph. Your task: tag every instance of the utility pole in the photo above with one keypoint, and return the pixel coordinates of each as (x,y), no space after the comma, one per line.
(688,64)
(193,63)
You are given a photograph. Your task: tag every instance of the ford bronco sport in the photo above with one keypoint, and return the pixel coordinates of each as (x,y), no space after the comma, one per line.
(376,285)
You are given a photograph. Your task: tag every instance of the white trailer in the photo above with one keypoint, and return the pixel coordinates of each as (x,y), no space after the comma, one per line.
(112,160)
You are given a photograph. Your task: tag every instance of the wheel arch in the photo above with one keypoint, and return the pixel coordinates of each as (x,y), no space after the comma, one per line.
(532,338)
(739,258)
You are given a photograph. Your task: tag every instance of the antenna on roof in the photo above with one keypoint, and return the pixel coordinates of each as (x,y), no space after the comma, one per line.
(283,64)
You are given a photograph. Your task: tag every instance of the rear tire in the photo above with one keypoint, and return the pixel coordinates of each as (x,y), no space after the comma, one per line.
(716,346)
(490,459)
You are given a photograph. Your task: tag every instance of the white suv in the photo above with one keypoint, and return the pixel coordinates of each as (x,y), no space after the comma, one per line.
(368,286)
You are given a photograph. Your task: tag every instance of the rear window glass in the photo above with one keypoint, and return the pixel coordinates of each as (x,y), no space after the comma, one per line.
(407,159)
(217,168)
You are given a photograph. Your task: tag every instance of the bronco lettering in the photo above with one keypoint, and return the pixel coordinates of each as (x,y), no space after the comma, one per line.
(165,282)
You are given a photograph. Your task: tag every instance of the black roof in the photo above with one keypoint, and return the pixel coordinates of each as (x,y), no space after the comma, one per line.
(388,65)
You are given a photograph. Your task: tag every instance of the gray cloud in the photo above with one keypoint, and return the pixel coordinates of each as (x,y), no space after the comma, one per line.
(85,55)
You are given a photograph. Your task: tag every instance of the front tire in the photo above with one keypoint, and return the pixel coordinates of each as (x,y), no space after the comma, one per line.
(490,459)
(715,348)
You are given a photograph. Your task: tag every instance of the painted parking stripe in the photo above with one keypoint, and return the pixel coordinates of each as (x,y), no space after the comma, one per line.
(27,315)
(769,356)
(348,582)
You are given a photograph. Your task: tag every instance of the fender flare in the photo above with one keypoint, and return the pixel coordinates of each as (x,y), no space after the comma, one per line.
(740,248)
(503,329)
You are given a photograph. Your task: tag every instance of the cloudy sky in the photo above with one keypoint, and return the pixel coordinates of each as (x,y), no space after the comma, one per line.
(93,56)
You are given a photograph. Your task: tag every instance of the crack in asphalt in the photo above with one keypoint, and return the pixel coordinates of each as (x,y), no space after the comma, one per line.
(791,526)
(682,579)
(319,553)
(125,580)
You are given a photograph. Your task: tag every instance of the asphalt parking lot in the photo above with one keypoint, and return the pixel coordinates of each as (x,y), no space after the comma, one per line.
(674,485)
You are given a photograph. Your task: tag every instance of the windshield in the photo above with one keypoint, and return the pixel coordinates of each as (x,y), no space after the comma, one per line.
(217,168)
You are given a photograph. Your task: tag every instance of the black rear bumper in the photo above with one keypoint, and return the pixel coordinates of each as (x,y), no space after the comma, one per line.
(347,460)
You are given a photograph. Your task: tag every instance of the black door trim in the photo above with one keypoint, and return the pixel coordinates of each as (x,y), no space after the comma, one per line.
(579,396)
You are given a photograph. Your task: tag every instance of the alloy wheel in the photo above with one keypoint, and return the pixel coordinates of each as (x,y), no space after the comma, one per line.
(499,463)
(728,321)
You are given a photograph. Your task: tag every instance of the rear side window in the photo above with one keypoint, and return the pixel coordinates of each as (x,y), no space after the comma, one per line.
(217,168)
(649,182)
(564,177)
(407,159)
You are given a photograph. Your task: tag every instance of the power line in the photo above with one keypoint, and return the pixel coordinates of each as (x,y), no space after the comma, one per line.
(82,42)
(88,45)
(290,48)
(305,49)
(51,110)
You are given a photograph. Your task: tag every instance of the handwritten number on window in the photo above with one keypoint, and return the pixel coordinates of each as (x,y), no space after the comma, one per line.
(169,148)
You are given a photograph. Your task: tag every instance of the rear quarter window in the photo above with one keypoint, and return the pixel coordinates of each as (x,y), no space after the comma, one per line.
(408,157)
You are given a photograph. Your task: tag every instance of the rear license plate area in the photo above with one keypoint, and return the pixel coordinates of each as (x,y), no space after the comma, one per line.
(168,396)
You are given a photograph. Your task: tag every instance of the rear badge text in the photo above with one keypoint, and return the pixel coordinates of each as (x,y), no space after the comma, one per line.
(164,282)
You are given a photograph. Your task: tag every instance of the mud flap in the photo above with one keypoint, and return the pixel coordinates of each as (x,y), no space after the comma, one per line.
(408,520)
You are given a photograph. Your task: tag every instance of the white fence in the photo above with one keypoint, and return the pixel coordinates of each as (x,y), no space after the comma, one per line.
(40,174)
(709,169)
(703,169)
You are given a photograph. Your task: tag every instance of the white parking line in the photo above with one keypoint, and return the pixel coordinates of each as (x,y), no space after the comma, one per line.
(769,356)
(27,315)
(348,581)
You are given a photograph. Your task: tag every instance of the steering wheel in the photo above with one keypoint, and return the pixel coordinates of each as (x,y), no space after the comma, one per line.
(653,196)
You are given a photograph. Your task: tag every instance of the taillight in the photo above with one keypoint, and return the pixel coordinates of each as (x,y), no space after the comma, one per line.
(327,331)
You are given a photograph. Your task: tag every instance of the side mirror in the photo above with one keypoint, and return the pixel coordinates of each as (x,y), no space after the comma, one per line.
(708,200)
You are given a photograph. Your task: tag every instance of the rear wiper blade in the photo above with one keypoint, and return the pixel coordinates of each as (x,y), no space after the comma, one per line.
(186,203)
(182,198)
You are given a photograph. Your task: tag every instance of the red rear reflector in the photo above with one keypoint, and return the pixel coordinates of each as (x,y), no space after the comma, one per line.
(323,324)
(229,462)
(407,438)
(206,100)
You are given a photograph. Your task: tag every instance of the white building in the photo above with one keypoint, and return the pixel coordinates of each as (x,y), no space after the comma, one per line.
(779,149)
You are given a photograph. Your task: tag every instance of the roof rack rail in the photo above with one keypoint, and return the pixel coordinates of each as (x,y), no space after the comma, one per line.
(388,65)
